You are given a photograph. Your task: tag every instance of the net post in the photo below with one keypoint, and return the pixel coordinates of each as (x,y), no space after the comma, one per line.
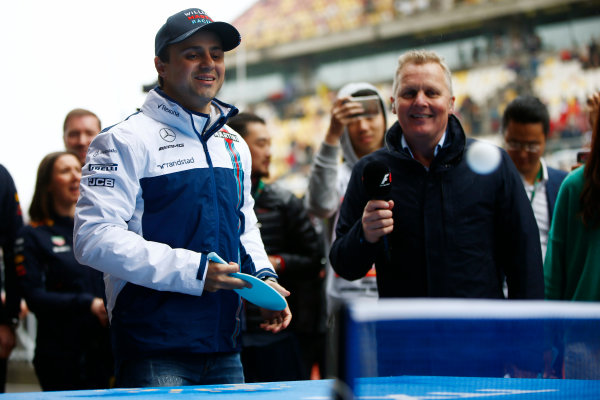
(343,387)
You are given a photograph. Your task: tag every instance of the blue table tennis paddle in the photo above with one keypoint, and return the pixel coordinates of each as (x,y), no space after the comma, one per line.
(261,293)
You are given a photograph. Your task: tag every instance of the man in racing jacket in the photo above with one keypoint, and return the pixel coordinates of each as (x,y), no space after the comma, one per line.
(160,191)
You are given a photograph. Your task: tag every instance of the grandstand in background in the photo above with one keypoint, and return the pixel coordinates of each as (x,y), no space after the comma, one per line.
(295,55)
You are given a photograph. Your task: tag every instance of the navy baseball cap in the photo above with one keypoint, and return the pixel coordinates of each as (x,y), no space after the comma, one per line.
(184,24)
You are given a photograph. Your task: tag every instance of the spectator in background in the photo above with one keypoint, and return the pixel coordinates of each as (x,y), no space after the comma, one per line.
(296,253)
(572,265)
(526,125)
(79,128)
(72,344)
(11,221)
(356,133)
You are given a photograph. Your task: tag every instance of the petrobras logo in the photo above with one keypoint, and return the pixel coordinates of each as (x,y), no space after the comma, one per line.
(106,182)
(176,163)
(226,135)
(170,146)
(102,152)
(168,110)
(103,167)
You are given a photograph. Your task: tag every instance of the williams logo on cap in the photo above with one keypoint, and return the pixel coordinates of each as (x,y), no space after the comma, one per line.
(185,23)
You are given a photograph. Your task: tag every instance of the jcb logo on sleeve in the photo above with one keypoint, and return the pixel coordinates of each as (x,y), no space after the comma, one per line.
(108,182)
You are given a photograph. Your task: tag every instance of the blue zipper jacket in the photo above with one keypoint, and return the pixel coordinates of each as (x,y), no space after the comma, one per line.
(159,191)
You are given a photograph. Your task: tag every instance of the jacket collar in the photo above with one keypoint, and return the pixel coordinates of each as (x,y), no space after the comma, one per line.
(162,108)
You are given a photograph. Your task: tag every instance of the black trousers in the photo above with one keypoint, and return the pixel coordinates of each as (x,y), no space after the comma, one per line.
(277,361)
(73,373)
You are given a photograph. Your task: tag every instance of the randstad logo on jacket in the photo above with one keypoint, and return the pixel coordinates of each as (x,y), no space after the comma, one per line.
(176,163)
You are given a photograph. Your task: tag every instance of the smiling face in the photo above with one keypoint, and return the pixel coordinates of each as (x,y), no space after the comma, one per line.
(79,132)
(64,185)
(423,102)
(194,72)
(366,133)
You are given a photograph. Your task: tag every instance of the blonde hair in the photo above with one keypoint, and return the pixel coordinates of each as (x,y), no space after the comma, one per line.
(420,57)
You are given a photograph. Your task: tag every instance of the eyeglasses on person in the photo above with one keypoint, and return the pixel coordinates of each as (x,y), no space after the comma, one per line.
(512,145)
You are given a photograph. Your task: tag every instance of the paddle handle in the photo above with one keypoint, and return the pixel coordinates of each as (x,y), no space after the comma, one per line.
(214,257)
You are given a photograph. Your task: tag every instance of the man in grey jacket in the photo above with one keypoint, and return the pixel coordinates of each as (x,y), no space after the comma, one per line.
(357,128)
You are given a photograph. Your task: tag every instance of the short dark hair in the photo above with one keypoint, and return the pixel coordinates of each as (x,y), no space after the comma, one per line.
(527,110)
(42,203)
(80,112)
(239,123)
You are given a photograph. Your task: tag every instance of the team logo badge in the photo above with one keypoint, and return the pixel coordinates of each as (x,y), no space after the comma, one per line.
(58,240)
(167,134)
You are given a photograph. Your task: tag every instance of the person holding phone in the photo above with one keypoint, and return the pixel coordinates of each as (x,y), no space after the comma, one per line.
(357,126)
(526,124)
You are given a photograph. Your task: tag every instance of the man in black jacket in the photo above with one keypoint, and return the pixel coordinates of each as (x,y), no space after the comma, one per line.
(296,252)
(450,232)
(443,230)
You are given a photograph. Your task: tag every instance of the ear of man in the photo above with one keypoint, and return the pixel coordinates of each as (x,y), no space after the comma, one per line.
(159,65)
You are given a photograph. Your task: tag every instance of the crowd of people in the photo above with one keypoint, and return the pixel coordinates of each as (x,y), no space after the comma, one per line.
(114,260)
(314,18)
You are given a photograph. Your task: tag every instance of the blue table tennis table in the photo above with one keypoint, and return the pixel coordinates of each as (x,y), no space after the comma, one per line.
(394,388)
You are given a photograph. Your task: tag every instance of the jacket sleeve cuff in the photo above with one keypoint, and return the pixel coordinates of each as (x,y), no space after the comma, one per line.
(266,273)
(202,268)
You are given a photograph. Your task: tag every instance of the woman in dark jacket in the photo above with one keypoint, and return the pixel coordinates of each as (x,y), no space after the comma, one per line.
(72,345)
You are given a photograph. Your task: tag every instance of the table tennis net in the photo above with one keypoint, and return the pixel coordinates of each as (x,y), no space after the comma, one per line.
(470,338)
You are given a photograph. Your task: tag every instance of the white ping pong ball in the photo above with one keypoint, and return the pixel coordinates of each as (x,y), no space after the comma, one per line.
(483,158)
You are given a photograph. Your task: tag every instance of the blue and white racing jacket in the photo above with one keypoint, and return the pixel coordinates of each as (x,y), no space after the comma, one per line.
(159,191)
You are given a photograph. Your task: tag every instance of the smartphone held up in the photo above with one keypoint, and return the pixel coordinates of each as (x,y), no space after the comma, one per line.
(371,104)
